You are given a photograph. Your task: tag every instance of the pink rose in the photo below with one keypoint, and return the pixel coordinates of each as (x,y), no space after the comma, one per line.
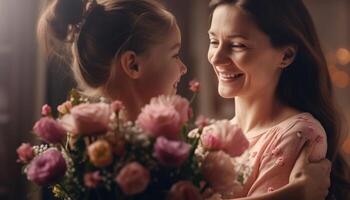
(46,110)
(47,168)
(201,121)
(223,135)
(219,171)
(181,105)
(25,153)
(117,106)
(65,107)
(49,130)
(184,190)
(159,120)
(92,179)
(171,153)
(194,86)
(100,153)
(133,178)
(88,119)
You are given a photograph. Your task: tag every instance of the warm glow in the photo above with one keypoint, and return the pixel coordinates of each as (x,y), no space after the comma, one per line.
(332,68)
(331,58)
(346,146)
(340,78)
(343,56)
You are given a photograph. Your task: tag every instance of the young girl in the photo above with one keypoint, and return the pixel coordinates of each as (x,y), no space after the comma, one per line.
(126,50)
(120,49)
(267,57)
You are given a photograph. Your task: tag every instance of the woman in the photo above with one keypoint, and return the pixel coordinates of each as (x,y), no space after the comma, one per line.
(123,49)
(267,57)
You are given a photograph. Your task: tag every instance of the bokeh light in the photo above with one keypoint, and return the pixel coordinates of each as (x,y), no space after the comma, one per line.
(343,56)
(340,78)
(346,146)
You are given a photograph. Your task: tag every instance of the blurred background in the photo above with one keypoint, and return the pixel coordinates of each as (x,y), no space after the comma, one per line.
(27,80)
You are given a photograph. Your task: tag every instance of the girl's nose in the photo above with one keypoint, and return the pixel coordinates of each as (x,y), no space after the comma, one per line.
(183,68)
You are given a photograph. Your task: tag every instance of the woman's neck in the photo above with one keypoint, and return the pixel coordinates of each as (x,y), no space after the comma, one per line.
(253,114)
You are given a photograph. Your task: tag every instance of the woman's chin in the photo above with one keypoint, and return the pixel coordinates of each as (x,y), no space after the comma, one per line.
(227,92)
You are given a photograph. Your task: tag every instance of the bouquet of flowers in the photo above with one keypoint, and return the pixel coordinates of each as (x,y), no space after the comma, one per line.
(92,152)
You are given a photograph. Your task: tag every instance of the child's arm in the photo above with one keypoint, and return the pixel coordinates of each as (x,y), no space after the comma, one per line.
(308,181)
(280,155)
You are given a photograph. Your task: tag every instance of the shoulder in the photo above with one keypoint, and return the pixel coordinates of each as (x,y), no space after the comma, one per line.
(304,124)
(304,127)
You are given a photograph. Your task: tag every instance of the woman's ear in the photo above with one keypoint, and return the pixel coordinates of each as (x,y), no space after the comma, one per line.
(130,65)
(289,54)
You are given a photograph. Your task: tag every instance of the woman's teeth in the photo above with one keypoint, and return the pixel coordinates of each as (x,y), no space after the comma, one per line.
(229,76)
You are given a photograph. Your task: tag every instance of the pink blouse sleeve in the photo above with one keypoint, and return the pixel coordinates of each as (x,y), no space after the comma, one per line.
(282,152)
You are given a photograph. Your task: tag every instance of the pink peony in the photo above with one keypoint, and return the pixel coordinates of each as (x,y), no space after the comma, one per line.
(218,170)
(25,153)
(184,190)
(65,107)
(160,120)
(88,119)
(117,106)
(49,130)
(223,135)
(100,153)
(47,167)
(171,153)
(92,179)
(46,110)
(201,121)
(194,86)
(133,178)
(181,105)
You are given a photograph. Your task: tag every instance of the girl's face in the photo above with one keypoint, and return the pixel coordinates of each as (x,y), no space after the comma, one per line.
(162,65)
(242,56)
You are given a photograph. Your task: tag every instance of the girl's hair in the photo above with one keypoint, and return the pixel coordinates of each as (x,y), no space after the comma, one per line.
(305,84)
(90,34)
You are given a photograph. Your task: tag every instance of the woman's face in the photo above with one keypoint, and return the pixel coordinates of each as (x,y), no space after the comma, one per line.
(162,65)
(242,56)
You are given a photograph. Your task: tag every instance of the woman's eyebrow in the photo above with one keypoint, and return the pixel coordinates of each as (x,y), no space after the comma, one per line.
(234,35)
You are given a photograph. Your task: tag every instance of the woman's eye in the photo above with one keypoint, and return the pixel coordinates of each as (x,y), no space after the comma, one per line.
(238,46)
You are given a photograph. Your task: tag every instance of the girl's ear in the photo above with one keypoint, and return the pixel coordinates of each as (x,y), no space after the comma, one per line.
(130,65)
(289,54)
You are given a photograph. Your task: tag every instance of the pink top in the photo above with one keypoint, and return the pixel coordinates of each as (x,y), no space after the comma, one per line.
(272,153)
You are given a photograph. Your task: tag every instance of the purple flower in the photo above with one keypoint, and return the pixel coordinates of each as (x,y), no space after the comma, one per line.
(49,130)
(171,153)
(47,167)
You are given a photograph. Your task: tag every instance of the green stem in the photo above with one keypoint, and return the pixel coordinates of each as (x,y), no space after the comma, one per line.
(193,98)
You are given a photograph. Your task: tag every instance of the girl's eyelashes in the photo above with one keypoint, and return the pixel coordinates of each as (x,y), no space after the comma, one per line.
(176,56)
(213,42)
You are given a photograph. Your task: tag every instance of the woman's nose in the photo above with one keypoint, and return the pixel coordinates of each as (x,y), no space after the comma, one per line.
(219,56)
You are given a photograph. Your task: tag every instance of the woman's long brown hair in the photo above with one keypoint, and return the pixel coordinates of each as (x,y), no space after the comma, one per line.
(305,84)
